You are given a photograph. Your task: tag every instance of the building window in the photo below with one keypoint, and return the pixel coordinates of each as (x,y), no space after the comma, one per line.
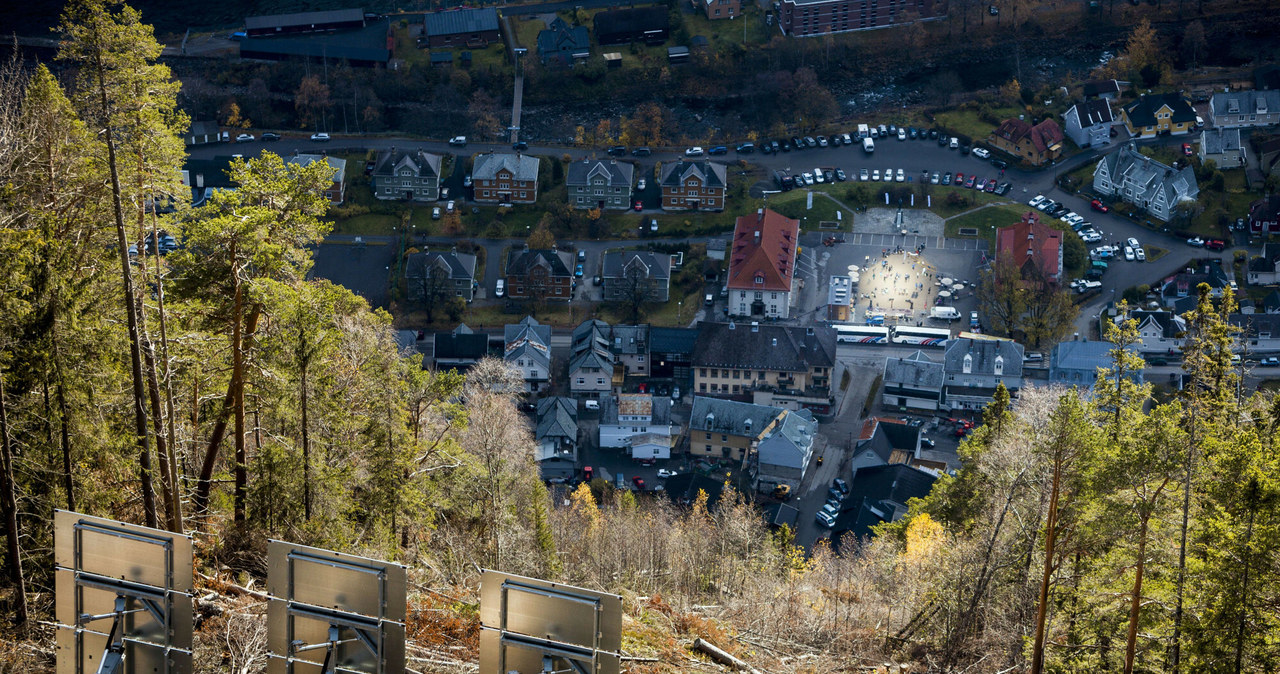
(708,436)
(581,381)
(702,372)
(600,381)
(724,437)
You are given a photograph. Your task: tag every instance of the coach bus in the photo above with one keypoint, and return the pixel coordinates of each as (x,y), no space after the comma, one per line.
(862,334)
(921,336)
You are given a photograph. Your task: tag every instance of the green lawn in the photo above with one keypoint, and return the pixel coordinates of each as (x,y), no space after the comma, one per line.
(986,221)
(968,121)
(793,205)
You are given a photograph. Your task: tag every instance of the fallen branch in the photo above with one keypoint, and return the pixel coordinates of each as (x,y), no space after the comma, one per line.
(636,658)
(721,656)
(236,589)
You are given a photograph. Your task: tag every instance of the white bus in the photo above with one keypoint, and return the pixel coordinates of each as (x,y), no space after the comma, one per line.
(921,336)
(862,334)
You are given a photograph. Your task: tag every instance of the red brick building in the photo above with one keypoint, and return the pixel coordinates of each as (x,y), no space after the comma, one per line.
(1030,245)
(693,186)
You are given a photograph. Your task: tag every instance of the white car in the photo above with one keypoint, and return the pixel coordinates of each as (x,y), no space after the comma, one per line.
(664,473)
(1140,254)
(888,175)
(1133,242)
(864,176)
(875,174)
(902,133)
(902,176)
(448,206)
(1088,285)
(807,178)
(694,151)
(981,152)
(1128,253)
(1036,201)
(244,138)
(955,142)
(641,185)
(1046,205)
(817,176)
(825,520)
(1071,218)
(1090,237)
(320,137)
(1196,242)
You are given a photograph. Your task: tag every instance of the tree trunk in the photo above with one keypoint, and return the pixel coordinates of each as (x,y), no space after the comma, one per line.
(1050,541)
(170,454)
(64,416)
(168,489)
(306,441)
(204,483)
(237,396)
(130,301)
(9,504)
(1175,656)
(1244,581)
(1135,600)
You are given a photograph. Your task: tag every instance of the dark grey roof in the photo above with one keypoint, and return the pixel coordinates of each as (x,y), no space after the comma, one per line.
(422,164)
(212,171)
(203,128)
(591,332)
(1169,328)
(457,21)
(1094,111)
(522,261)
(1142,112)
(1247,102)
(984,353)
(717,415)
(615,173)
(557,418)
(596,357)
(528,337)
(1147,173)
(711,173)
(521,166)
(1271,303)
(915,371)
(766,347)
(1099,87)
(778,514)
(461,266)
(338,164)
(1256,325)
(560,37)
(367,44)
(1218,141)
(304,18)
(450,346)
(629,340)
(615,261)
(877,494)
(683,489)
(672,340)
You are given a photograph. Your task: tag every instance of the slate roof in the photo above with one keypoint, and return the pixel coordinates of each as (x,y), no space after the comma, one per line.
(615,261)
(422,164)
(1256,325)
(1205,270)
(764,246)
(469,346)
(776,348)
(1142,112)
(461,266)
(528,337)
(457,21)
(615,173)
(1094,111)
(778,514)
(879,494)
(203,128)
(595,358)
(1127,164)
(1169,324)
(557,417)
(592,331)
(683,489)
(561,37)
(304,18)
(1251,102)
(916,371)
(338,165)
(672,340)
(629,340)
(790,443)
(1271,303)
(1217,141)
(521,166)
(1100,87)
(984,353)
(521,262)
(717,415)
(712,174)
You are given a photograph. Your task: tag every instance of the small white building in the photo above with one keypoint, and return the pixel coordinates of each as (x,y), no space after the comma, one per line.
(628,415)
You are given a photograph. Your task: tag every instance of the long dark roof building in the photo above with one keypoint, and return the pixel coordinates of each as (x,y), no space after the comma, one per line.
(639,24)
(765,347)
(303,22)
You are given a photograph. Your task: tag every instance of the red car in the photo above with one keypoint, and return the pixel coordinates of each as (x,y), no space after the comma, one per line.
(991,185)
(639,482)
(959,181)
(968,182)
(639,206)
(1215,244)
(1186,149)
(1099,206)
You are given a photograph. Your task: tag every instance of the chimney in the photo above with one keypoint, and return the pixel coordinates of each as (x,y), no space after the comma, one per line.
(808,332)
(731,325)
(757,237)
(759,215)
(755,326)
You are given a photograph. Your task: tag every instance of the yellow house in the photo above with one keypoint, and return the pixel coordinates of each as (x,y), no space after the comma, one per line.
(1159,115)
(727,429)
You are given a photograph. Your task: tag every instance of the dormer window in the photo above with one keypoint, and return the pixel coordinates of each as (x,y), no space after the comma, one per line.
(759,278)
(999,366)
(968,364)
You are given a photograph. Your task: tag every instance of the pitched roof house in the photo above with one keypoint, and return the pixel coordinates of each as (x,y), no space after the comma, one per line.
(878,494)
(591,367)
(627,415)
(527,345)
(1264,214)
(1089,122)
(1235,109)
(1222,146)
(556,437)
(762,264)
(728,429)
(974,368)
(1159,332)
(459,349)
(793,364)
(1131,176)
(436,275)
(884,441)
(913,383)
(1076,362)
(336,192)
(693,185)
(539,275)
(1035,144)
(475,28)
(412,175)
(203,133)
(625,274)
(783,456)
(1108,89)
(1158,114)
(1032,247)
(599,183)
(504,178)
(562,42)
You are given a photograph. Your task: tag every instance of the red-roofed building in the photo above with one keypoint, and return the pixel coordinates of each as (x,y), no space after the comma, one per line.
(762,264)
(1031,245)
(1036,144)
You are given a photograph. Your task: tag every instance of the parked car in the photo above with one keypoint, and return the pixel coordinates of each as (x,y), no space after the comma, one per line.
(641,152)
(641,185)
(1003,188)
(694,151)
(1128,253)
(745,148)
(1036,201)
(435,213)
(639,206)
(959,181)
(840,484)
(244,138)
(968,182)
(946,178)
(270,136)
(458,141)
(1000,164)
(1269,361)
(1099,206)
(864,175)
(500,289)
(875,174)
(824,519)
(935,178)
(1140,254)
(902,176)
(520,146)
(955,143)
(664,473)
(639,482)
(719,149)
(653,224)
(981,153)
(840,176)
(1215,244)
(466,180)
(1196,242)
(902,134)
(822,141)
(1186,150)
